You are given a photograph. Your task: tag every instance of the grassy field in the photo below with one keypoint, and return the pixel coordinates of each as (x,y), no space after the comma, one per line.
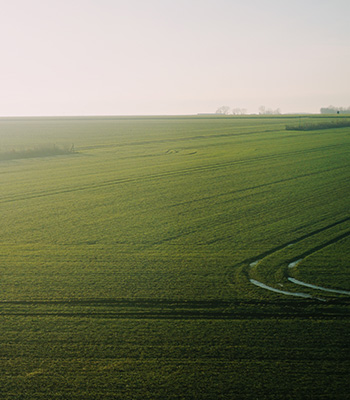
(126,265)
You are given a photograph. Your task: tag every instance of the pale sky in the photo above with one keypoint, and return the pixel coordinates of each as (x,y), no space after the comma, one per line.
(113,57)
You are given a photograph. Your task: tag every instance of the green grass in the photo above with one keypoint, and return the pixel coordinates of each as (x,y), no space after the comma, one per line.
(327,267)
(125,267)
(114,358)
(328,124)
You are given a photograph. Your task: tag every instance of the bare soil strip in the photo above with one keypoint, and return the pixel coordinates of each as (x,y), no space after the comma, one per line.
(301,283)
(263,286)
(253,264)
(294,263)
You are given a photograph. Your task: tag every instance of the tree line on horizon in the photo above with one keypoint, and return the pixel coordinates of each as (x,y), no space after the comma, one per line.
(226,110)
(335,110)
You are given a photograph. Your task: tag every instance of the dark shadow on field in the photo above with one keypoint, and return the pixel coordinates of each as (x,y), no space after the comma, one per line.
(38,152)
(177,309)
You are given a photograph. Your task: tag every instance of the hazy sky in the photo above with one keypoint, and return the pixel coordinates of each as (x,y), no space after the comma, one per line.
(113,57)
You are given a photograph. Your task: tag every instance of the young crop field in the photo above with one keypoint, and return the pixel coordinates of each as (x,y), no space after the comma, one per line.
(187,257)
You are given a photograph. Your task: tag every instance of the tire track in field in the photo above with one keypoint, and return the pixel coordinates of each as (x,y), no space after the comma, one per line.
(261,256)
(296,259)
(309,285)
(163,309)
(278,128)
(263,185)
(160,176)
(185,171)
(179,139)
(319,247)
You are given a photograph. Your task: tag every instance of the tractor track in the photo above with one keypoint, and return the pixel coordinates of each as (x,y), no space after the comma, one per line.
(250,264)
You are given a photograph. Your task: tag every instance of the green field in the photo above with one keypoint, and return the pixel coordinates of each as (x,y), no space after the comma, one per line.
(127,266)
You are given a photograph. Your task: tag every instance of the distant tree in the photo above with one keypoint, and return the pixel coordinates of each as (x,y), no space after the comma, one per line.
(269,111)
(262,110)
(236,111)
(239,111)
(224,110)
(328,110)
(335,110)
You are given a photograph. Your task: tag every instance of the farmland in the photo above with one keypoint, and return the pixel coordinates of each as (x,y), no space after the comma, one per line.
(127,266)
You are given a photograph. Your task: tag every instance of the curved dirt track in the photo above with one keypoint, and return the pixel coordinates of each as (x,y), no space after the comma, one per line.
(272,289)
(301,283)
(295,261)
